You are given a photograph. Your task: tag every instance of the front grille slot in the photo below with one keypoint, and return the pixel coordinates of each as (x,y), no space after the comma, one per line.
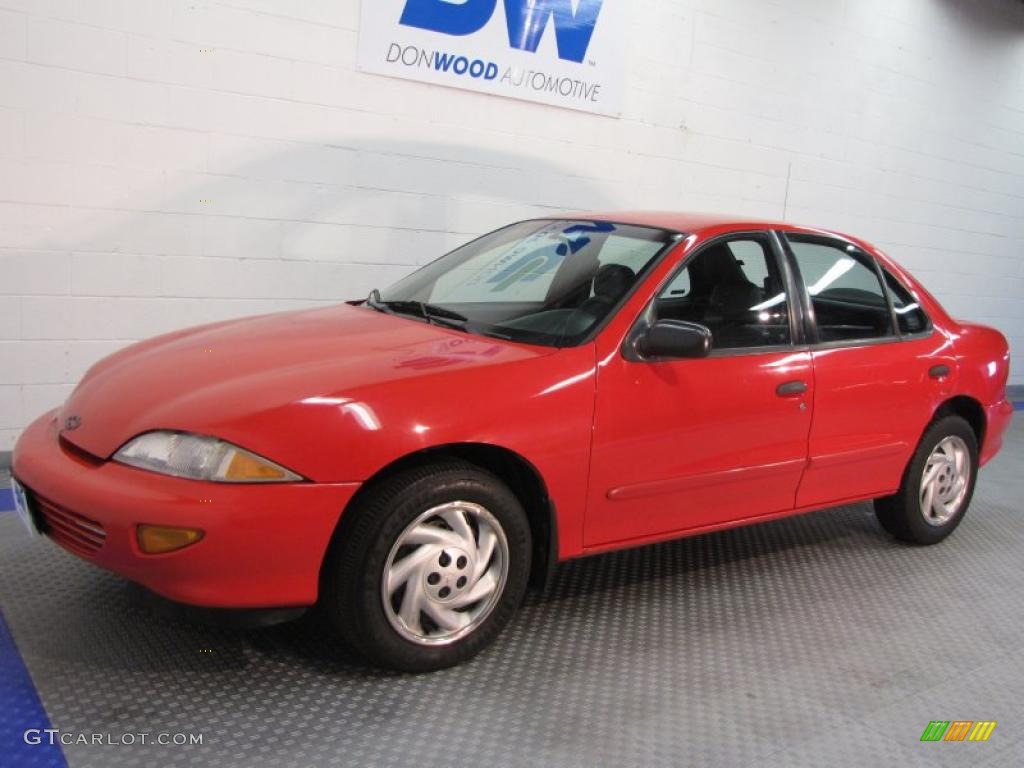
(70,529)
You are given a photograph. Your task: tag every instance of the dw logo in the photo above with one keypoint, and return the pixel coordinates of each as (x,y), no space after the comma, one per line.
(526,21)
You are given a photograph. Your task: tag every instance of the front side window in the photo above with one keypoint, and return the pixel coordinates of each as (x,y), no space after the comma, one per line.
(545,282)
(736,290)
(847,297)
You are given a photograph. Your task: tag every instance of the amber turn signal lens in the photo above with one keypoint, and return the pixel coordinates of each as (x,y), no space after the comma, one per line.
(245,466)
(154,539)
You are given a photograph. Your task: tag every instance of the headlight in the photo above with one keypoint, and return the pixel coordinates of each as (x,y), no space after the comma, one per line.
(200,458)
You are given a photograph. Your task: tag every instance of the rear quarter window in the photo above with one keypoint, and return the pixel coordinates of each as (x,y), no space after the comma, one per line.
(909,314)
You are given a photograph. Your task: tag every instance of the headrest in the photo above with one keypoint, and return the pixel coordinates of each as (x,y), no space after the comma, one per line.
(613,280)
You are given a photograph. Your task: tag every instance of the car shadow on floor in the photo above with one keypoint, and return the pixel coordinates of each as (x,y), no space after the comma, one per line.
(681,558)
(694,562)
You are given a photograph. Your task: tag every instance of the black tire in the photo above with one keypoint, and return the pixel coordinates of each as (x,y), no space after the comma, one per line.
(901,514)
(352,577)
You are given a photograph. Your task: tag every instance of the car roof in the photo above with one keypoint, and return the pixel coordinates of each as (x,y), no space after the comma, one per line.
(713,224)
(694,222)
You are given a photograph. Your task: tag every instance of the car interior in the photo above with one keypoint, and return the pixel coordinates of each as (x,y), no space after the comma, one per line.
(741,300)
(847,314)
(582,292)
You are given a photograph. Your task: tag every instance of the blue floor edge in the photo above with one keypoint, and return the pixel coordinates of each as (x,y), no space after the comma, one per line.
(6,499)
(23,719)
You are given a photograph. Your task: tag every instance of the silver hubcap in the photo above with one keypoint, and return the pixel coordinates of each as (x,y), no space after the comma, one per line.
(445,573)
(944,480)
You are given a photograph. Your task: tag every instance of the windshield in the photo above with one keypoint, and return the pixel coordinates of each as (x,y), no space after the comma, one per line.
(547,282)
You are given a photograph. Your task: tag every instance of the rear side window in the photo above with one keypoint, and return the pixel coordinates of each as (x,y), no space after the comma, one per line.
(847,296)
(909,315)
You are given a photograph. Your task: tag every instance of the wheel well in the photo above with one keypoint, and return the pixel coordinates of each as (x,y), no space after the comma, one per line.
(969,410)
(517,473)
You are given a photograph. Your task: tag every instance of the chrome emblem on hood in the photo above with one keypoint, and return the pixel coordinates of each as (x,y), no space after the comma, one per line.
(72,422)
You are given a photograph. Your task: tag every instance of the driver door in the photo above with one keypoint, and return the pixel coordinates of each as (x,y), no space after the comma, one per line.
(685,445)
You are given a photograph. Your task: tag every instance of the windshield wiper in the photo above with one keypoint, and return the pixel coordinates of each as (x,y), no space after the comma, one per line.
(373,302)
(429,312)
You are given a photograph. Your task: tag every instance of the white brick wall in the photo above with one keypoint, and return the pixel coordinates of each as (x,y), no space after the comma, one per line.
(146,184)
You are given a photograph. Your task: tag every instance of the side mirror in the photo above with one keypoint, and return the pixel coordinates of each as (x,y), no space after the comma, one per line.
(674,340)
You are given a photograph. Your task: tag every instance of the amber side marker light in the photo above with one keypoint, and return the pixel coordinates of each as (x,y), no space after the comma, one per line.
(155,539)
(245,466)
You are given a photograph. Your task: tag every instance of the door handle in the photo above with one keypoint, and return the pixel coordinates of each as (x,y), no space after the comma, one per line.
(938,371)
(791,388)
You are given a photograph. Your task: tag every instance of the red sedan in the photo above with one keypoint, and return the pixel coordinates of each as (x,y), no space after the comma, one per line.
(556,388)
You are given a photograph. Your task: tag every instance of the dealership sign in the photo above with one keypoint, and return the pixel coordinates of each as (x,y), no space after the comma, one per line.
(561,52)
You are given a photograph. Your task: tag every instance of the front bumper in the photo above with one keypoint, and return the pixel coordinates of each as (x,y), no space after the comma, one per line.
(262,546)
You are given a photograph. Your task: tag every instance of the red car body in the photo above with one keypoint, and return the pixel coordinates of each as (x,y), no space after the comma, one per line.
(624,452)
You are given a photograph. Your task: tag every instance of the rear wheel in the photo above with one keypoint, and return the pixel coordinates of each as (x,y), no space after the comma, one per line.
(937,485)
(429,567)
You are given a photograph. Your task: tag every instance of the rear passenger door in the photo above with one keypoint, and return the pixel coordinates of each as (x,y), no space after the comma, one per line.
(869,363)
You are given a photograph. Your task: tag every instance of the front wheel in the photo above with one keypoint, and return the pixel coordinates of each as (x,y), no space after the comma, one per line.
(937,485)
(429,567)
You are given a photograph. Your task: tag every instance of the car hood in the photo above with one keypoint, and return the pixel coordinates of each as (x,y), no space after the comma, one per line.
(237,380)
